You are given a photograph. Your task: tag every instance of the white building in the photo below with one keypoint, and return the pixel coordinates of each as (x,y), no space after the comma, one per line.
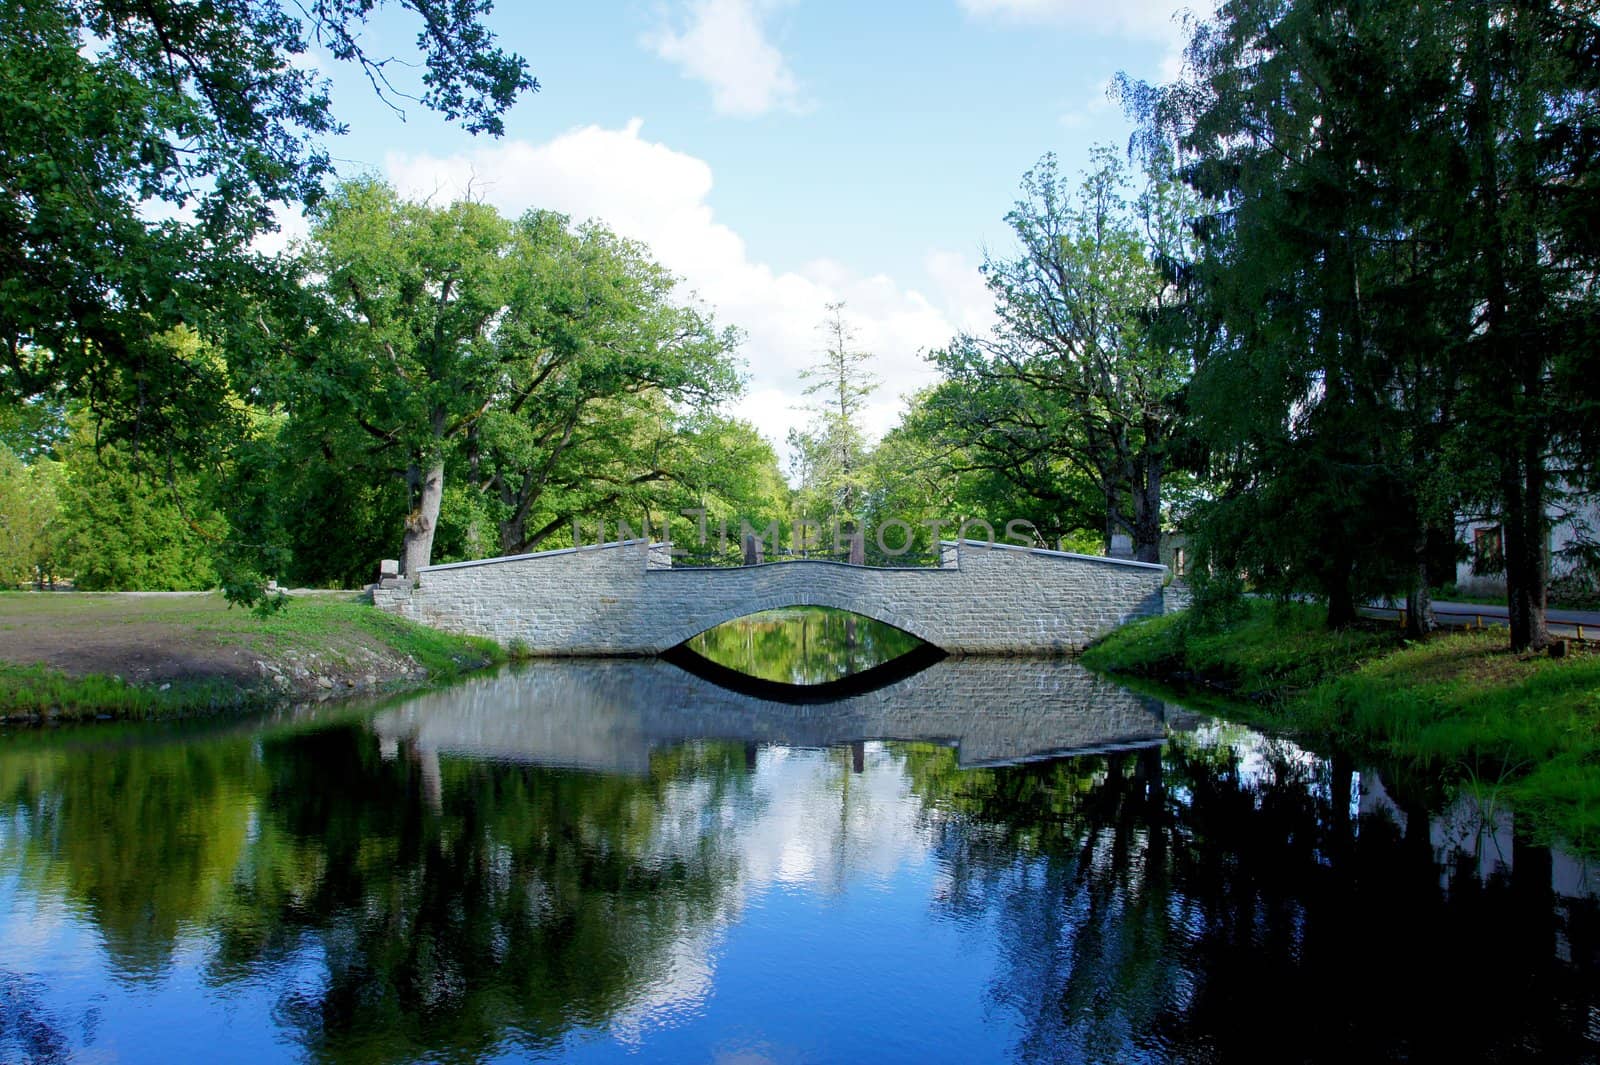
(1574,533)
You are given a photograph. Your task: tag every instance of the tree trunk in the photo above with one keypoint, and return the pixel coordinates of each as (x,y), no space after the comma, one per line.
(1523,548)
(1420,621)
(1114,523)
(1341,601)
(513,534)
(1147,514)
(423,520)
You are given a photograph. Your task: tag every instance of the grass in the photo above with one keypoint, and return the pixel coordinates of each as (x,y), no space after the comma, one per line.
(1459,705)
(36,691)
(1272,651)
(207,653)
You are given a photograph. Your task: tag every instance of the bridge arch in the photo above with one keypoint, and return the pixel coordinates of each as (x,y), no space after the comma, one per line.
(627,599)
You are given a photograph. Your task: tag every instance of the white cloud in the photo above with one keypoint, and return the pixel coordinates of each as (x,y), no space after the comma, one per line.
(724,44)
(1146,19)
(650,192)
(1095,103)
(1157,21)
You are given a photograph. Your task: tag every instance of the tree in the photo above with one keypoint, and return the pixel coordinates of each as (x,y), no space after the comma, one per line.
(950,461)
(603,368)
(147,144)
(1081,369)
(514,348)
(1402,262)
(121,528)
(413,294)
(830,456)
(27,516)
(1527,93)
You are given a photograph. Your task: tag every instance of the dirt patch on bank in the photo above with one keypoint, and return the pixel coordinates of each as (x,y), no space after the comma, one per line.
(152,640)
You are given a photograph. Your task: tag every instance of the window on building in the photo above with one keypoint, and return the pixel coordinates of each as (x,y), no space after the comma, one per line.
(1177,562)
(1486,554)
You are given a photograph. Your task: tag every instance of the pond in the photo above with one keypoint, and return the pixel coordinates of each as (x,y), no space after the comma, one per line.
(617,860)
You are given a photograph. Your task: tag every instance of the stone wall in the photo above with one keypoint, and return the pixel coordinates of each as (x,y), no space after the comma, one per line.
(626,598)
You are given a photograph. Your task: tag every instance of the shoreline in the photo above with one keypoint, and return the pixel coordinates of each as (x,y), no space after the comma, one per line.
(68,657)
(1458,707)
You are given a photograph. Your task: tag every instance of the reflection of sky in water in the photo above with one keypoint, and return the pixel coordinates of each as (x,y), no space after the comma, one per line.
(811,826)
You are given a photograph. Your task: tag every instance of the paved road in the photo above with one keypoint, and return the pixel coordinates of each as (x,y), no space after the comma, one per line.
(1471,615)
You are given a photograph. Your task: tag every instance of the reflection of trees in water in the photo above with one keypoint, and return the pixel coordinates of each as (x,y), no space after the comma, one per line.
(529,901)
(803,645)
(514,904)
(1183,905)
(143,838)
(29,1032)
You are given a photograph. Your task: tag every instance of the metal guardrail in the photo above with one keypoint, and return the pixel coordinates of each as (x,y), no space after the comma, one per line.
(1481,621)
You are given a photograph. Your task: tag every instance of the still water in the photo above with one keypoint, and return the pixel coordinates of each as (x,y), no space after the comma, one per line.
(803,645)
(592,861)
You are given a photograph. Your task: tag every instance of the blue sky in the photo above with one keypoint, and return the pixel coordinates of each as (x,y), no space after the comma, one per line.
(779,154)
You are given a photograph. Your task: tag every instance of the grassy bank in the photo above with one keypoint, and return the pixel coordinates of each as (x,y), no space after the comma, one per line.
(1459,704)
(74,656)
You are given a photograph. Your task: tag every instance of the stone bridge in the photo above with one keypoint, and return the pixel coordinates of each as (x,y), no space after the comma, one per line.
(627,598)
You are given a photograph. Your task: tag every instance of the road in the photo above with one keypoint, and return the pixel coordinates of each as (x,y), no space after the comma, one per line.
(1585,623)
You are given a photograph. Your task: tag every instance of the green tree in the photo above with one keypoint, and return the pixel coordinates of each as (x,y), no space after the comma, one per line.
(1082,371)
(27,518)
(543,363)
(605,370)
(1402,263)
(120,527)
(829,457)
(414,293)
(147,144)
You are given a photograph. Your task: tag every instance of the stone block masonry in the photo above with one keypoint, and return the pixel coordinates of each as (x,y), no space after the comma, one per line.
(626,598)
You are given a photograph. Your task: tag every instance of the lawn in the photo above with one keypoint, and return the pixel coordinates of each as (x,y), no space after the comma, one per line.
(77,655)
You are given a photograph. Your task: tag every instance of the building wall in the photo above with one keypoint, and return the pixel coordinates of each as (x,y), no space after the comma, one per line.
(627,599)
(1579,524)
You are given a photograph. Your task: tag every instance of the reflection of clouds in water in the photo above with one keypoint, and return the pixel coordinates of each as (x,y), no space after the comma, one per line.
(1259,755)
(808,820)
(35,921)
(822,823)
(1478,829)
(687,976)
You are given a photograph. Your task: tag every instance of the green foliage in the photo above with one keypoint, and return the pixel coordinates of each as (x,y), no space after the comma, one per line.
(202,117)
(37,691)
(1270,652)
(806,645)
(27,519)
(1525,726)
(122,527)
(542,370)
(829,457)
(1078,385)
(1399,265)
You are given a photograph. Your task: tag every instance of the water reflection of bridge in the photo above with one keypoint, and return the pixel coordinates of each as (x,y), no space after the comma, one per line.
(610,714)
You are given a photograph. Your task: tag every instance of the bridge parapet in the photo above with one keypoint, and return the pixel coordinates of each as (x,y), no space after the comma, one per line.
(626,598)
